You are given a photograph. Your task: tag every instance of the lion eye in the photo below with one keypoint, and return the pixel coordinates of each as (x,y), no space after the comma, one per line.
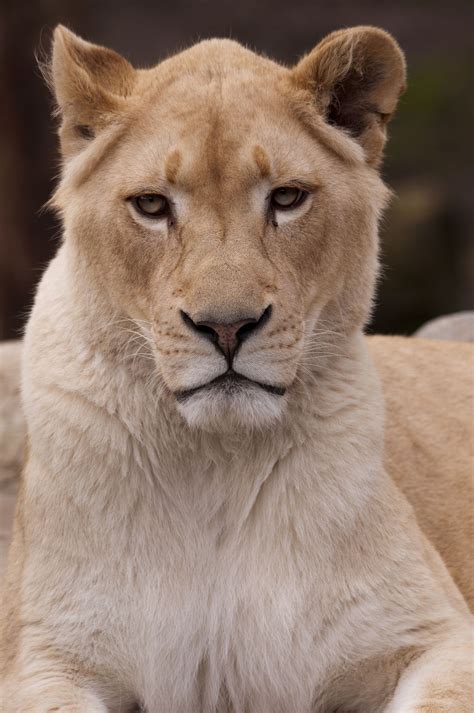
(287,197)
(152,205)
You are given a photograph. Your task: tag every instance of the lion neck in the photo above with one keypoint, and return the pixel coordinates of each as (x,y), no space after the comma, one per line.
(333,420)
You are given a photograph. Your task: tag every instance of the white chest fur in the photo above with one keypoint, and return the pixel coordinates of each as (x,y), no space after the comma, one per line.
(193,586)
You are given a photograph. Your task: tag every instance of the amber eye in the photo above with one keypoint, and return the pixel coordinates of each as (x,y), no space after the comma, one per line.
(152,205)
(287,197)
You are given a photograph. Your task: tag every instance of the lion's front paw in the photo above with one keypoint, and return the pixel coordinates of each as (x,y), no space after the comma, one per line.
(451,702)
(38,698)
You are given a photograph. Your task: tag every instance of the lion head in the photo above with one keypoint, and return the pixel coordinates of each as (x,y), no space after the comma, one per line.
(228,205)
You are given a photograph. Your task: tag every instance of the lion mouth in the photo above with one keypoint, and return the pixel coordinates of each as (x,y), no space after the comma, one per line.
(229,383)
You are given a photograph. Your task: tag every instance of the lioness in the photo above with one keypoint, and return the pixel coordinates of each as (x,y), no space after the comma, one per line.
(205,522)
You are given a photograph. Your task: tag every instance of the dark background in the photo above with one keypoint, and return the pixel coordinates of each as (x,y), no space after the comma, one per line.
(428,250)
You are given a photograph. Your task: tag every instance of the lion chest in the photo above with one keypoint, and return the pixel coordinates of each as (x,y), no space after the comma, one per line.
(223,639)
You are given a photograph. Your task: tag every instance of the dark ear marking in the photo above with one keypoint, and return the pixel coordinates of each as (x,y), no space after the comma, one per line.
(354,78)
(348,106)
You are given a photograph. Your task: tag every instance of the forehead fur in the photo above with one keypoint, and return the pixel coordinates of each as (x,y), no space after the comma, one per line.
(216,92)
(343,93)
(255,82)
(207,61)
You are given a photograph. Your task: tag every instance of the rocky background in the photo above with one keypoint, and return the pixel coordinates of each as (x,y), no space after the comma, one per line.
(428,250)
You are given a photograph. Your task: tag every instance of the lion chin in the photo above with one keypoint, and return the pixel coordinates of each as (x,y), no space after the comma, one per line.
(232,402)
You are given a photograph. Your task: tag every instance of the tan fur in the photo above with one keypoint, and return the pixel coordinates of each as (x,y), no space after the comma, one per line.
(228,549)
(429,398)
(12,439)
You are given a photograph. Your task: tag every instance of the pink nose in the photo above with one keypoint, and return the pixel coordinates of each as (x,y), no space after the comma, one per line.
(227,336)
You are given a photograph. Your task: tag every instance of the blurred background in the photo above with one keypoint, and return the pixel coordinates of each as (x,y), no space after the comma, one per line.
(427,236)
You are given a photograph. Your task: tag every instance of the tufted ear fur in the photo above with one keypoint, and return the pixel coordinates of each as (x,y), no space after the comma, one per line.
(90,84)
(355,77)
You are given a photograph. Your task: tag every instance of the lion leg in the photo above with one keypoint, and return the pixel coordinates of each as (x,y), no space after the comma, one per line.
(439,681)
(39,683)
(48,695)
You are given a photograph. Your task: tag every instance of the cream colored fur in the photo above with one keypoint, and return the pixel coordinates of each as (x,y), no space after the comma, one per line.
(12,439)
(234,551)
(428,390)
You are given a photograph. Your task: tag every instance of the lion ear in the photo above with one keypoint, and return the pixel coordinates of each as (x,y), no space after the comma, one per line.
(90,84)
(355,77)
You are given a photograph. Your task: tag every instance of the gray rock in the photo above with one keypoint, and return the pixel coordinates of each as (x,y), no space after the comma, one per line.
(458,327)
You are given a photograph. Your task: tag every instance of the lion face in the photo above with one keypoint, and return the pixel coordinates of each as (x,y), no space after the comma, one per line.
(220,211)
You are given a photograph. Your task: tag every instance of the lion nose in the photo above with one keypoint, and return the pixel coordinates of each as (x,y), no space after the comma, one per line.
(228,336)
